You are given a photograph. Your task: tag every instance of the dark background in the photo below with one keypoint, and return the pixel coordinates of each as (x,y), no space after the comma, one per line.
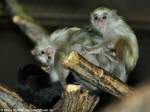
(15,47)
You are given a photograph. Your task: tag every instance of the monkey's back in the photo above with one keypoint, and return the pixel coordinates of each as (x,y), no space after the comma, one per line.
(103,58)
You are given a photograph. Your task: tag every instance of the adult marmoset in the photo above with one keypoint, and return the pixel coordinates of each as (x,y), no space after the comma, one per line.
(109,43)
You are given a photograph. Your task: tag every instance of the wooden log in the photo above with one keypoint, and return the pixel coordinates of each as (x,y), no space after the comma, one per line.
(96,76)
(11,101)
(76,99)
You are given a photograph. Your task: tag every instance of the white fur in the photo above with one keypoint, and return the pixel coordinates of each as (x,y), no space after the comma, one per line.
(54,76)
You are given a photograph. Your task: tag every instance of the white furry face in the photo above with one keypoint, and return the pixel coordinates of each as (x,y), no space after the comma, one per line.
(101,18)
(44,54)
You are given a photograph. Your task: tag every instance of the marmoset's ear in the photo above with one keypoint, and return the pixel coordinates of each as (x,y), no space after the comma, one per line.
(114,14)
(91,14)
(33,52)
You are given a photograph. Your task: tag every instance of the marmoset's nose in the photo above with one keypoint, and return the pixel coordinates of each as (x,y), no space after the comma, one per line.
(49,51)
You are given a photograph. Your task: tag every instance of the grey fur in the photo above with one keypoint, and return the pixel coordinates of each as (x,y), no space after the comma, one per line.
(95,44)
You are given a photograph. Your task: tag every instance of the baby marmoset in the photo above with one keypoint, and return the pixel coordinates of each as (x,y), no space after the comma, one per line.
(109,43)
(119,43)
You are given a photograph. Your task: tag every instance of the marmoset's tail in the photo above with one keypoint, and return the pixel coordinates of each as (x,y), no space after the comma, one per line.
(26,23)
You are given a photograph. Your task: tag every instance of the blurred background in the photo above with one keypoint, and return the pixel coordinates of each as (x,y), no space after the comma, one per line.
(53,14)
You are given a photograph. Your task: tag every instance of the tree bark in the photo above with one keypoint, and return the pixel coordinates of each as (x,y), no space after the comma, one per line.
(96,76)
(76,99)
(9,100)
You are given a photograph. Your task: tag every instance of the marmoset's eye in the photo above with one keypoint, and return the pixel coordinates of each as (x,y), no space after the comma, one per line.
(95,17)
(104,17)
(42,52)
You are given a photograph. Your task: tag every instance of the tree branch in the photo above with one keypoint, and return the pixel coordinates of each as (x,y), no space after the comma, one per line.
(76,99)
(96,76)
(11,100)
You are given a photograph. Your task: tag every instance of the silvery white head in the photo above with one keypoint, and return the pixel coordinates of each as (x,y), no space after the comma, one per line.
(102,18)
(45,54)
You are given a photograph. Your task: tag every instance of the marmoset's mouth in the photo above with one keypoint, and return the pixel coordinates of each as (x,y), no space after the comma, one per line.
(45,68)
(42,63)
(100,23)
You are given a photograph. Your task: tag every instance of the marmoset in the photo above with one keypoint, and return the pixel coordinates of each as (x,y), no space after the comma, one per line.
(108,43)
(117,35)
